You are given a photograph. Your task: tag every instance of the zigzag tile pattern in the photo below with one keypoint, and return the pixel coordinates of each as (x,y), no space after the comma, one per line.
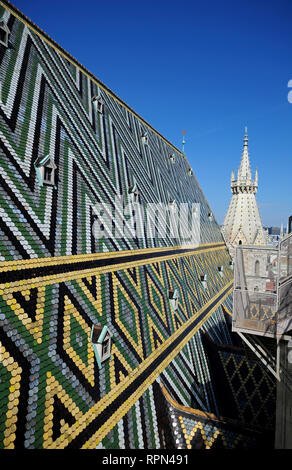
(56,279)
(197,430)
(45,110)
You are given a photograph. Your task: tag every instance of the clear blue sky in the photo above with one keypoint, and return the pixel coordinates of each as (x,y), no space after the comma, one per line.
(210,67)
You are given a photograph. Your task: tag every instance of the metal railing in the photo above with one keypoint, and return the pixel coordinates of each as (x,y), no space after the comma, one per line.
(285,283)
(285,258)
(262,297)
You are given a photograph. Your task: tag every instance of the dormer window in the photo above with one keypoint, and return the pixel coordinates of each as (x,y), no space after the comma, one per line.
(48,173)
(144,138)
(134,194)
(190,172)
(101,339)
(173,298)
(220,269)
(45,169)
(203,279)
(105,347)
(98,103)
(172,158)
(210,216)
(4,33)
(231,265)
(172,206)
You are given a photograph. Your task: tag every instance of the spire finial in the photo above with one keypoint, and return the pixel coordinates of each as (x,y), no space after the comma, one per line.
(245,140)
(244,172)
(183,141)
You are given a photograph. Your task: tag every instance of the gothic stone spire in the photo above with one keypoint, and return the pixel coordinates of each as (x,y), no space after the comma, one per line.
(242,222)
(244,182)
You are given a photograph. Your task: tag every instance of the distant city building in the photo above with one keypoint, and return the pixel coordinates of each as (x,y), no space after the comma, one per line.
(242,224)
(275,234)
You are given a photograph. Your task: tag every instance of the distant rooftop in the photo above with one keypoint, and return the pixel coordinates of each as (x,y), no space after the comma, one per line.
(275,230)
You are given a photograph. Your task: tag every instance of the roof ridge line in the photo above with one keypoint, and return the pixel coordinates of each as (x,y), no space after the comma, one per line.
(36,29)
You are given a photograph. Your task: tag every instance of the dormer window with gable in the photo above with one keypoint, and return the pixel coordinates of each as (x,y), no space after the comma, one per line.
(172,158)
(190,172)
(134,194)
(220,269)
(4,33)
(45,169)
(101,339)
(173,298)
(172,207)
(210,216)
(98,104)
(144,138)
(203,279)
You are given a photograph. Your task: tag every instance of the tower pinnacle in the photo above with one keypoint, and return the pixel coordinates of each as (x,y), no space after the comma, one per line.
(245,140)
(244,172)
(242,222)
(183,141)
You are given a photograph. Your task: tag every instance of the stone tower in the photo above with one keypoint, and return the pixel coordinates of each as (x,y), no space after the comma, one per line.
(242,224)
